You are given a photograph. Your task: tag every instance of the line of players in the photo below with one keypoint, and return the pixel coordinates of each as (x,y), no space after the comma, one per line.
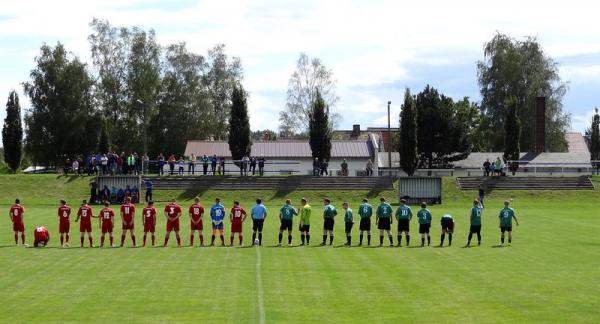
(258,214)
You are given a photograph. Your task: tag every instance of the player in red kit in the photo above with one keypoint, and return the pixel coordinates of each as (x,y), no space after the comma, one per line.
(127,215)
(107,222)
(149,221)
(237,218)
(40,236)
(172,213)
(196,212)
(64,222)
(85,213)
(17,213)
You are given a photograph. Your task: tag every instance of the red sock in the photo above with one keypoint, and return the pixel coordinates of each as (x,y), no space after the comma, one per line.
(201,239)
(81,241)
(16,238)
(144,240)
(241,239)
(231,240)
(222,240)
(122,239)
(178,240)
(61,240)
(133,239)
(153,239)
(111,241)
(90,239)
(102,240)
(23,238)
(166,240)
(192,239)
(67,238)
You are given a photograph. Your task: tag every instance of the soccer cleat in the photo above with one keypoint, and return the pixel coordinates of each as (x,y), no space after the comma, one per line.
(399,244)
(392,245)
(478,243)
(290,245)
(278,244)
(322,244)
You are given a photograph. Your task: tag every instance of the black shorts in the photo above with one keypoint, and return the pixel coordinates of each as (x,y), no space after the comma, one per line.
(506,229)
(365,224)
(305,228)
(286,224)
(424,228)
(403,225)
(328,224)
(257,224)
(349,226)
(475,229)
(447,225)
(384,224)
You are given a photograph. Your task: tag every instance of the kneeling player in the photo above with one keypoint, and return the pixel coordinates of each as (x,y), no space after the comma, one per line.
(475,222)
(127,217)
(506,216)
(41,236)
(172,213)
(237,218)
(447,227)
(85,213)
(64,223)
(217,214)
(107,223)
(196,212)
(149,221)
(424,216)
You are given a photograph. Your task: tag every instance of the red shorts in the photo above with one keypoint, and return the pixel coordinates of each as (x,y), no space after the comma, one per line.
(63,227)
(173,225)
(236,227)
(19,227)
(196,227)
(85,227)
(127,227)
(107,227)
(149,227)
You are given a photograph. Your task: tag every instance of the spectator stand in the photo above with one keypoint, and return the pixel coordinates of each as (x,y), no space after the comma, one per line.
(420,189)
(120,186)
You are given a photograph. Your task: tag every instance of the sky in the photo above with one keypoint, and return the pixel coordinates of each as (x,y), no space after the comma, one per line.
(375,48)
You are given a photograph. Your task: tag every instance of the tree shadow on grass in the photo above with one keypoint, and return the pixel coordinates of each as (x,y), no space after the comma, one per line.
(192,193)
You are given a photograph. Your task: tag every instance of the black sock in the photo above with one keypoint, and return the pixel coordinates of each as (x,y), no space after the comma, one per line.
(399,239)
(307,238)
(360,239)
(509,239)
(324,239)
(302,238)
(253,237)
(380,239)
(407,240)
(391,240)
(212,240)
(289,239)
(479,238)
(469,239)
(331,239)
(259,238)
(502,239)
(422,241)
(428,240)
(449,239)
(369,239)
(442,239)
(349,240)
(280,237)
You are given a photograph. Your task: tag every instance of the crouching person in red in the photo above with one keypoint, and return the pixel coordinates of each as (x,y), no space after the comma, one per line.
(41,236)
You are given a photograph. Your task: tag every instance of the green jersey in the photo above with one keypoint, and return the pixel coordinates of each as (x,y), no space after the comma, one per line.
(424,216)
(365,210)
(476,216)
(305,212)
(403,212)
(506,217)
(384,210)
(348,216)
(329,211)
(288,212)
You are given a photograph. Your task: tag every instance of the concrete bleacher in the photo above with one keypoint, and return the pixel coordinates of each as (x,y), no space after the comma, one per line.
(525,183)
(272,183)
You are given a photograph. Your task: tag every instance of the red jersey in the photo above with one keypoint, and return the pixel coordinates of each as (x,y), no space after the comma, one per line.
(238,213)
(41,234)
(196,210)
(64,212)
(85,213)
(127,211)
(106,214)
(172,210)
(17,212)
(149,213)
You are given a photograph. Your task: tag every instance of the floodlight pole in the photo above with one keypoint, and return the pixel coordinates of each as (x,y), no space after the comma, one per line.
(145,128)
(389,141)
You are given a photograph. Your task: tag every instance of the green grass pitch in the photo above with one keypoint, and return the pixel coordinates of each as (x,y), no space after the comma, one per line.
(549,274)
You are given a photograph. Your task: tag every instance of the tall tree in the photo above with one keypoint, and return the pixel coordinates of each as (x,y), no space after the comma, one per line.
(239,125)
(12,132)
(223,74)
(595,139)
(512,131)
(408,135)
(319,128)
(104,142)
(309,78)
(62,119)
(522,70)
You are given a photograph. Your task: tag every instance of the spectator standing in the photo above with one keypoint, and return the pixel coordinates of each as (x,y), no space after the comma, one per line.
(149,188)
(324,166)
(493,169)
(261,165)
(145,163)
(131,163)
(160,162)
(172,162)
(253,165)
(316,167)
(481,195)
(213,164)
(222,164)
(344,168)
(487,167)
(181,166)
(125,168)
(93,192)
(138,164)
(192,164)
(245,164)
(498,166)
(369,167)
(104,164)
(75,166)
(205,161)
(118,163)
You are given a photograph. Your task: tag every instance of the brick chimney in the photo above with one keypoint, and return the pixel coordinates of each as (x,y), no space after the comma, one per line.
(355,131)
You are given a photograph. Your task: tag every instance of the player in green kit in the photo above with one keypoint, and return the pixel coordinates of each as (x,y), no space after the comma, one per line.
(349,222)
(403,216)
(424,216)
(475,222)
(383,220)
(447,223)
(286,215)
(304,212)
(329,212)
(365,211)
(506,216)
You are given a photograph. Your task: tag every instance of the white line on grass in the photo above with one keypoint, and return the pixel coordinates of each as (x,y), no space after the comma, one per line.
(259,289)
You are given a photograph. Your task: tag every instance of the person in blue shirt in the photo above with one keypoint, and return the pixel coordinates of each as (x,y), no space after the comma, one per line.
(217,214)
(259,214)
(149,187)
(213,164)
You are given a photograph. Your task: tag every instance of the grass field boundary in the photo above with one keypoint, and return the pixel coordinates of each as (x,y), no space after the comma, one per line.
(259,289)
